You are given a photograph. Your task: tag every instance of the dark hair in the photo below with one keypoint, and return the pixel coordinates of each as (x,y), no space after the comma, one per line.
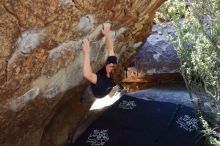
(111,59)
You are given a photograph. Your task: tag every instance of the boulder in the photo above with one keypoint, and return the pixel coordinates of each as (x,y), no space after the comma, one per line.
(41,78)
(156,62)
(157,55)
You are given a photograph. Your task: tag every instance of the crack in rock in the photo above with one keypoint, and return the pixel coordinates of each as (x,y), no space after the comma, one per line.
(16,17)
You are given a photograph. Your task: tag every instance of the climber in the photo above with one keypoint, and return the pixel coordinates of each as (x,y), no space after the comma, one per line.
(101,82)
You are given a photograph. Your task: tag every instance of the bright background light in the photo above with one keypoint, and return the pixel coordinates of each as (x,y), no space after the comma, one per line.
(105,101)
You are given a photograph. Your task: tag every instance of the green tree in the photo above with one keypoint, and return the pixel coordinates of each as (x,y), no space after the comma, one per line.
(197,42)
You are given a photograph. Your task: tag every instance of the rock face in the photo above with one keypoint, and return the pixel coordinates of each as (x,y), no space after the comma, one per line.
(157,55)
(155,63)
(41,80)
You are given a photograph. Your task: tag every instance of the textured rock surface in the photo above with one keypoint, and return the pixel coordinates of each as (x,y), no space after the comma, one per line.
(157,55)
(41,60)
(155,63)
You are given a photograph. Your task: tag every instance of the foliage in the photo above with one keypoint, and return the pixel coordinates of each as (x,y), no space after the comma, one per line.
(197,41)
(209,132)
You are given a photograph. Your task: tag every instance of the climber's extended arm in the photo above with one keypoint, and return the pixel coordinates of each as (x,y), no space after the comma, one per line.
(109,43)
(87,70)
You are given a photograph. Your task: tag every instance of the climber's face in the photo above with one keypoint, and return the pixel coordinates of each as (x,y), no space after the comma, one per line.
(110,68)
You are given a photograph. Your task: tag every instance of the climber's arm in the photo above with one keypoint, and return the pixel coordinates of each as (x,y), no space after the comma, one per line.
(87,70)
(109,43)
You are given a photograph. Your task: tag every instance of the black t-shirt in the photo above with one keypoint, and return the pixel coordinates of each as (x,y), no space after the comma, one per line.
(103,85)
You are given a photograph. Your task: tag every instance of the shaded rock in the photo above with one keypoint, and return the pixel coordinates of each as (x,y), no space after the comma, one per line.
(20,102)
(135,82)
(155,63)
(160,58)
(178,93)
(157,55)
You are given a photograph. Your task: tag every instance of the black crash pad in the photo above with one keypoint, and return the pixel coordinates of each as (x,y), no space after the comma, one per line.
(136,122)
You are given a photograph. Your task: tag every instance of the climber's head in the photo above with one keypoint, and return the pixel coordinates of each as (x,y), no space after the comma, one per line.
(117,74)
(114,71)
(111,64)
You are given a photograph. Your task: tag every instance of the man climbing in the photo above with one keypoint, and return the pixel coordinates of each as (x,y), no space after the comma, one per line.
(101,82)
